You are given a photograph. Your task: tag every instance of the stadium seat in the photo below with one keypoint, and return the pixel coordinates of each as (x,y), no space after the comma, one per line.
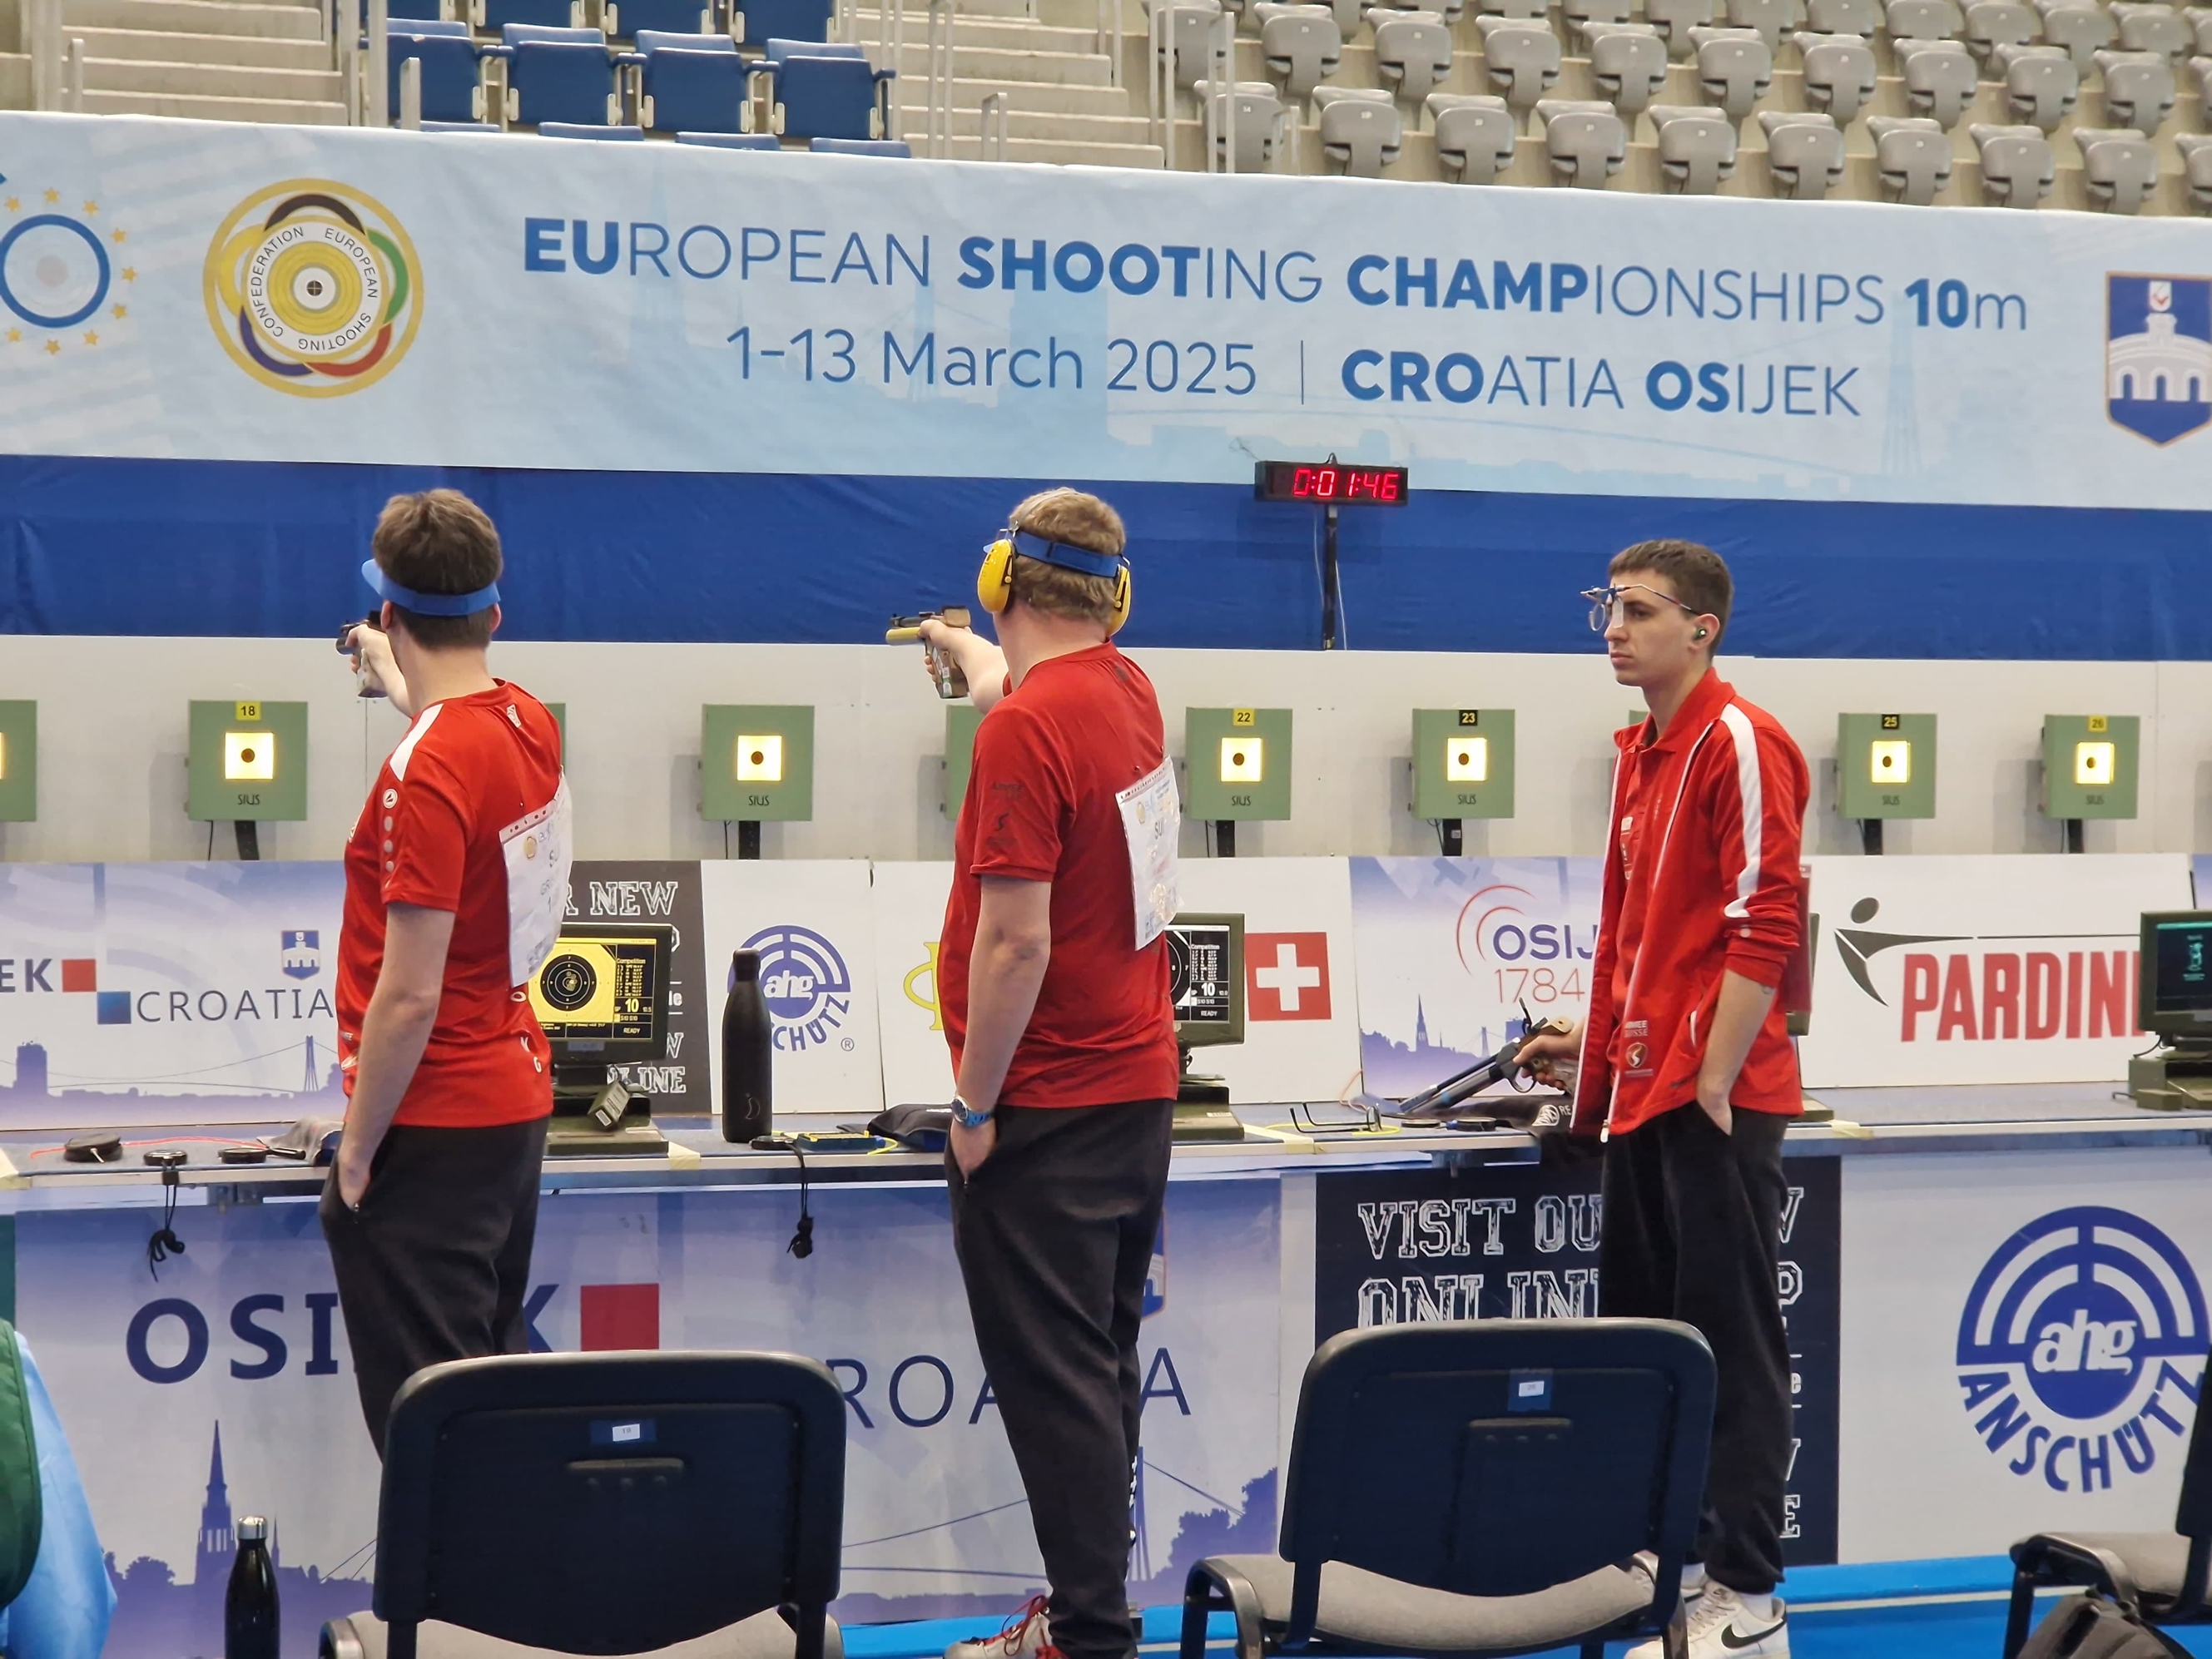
(1579,15)
(1734,66)
(2138,89)
(731,140)
(896,148)
(1524,11)
(1839,74)
(1804,152)
(1628,61)
(1776,21)
(1588,142)
(1696,148)
(2119,167)
(1941,78)
(1349,14)
(1674,19)
(2017,168)
(1912,156)
(2158,29)
(823,91)
(453,87)
(1258,121)
(562,74)
(2196,149)
(2202,19)
(1860,17)
(2201,68)
(2041,83)
(1994,23)
(1360,131)
(1521,59)
(1300,45)
(2083,30)
(692,84)
(413,11)
(1474,135)
(668,16)
(581,130)
(1923,20)
(495,16)
(1412,53)
(754,20)
(1183,34)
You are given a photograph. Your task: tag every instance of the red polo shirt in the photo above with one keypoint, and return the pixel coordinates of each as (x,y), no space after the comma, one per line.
(1049,759)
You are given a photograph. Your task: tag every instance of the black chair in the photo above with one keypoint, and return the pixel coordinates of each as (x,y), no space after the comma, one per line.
(1483,1488)
(609,1503)
(2159,1575)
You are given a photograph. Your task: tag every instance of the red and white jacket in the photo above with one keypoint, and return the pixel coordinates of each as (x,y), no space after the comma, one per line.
(1701,876)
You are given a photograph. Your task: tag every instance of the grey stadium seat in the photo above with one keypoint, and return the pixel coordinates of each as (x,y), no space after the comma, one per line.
(1696,148)
(1923,20)
(2083,30)
(2041,83)
(1804,152)
(1994,23)
(1587,141)
(1912,155)
(2119,167)
(2201,69)
(2138,89)
(1523,11)
(1474,135)
(1521,59)
(1188,29)
(1412,53)
(1941,78)
(2204,22)
(1300,45)
(2196,149)
(2017,168)
(1579,15)
(1257,119)
(1628,61)
(1775,20)
(1860,17)
(1839,74)
(2156,28)
(1349,14)
(1360,131)
(1674,19)
(1734,66)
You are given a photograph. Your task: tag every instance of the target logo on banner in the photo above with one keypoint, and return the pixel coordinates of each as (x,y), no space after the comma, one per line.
(59,272)
(2081,1349)
(313,288)
(807,985)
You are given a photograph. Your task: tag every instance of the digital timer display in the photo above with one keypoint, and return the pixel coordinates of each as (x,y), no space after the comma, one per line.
(1332,483)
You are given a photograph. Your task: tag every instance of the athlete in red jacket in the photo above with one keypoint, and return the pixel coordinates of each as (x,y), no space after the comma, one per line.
(1685,1063)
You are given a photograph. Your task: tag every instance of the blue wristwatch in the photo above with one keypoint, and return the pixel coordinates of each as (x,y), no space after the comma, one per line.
(967,1117)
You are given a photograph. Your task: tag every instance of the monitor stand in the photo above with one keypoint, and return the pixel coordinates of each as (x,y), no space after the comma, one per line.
(575,1132)
(2174,1078)
(1201,1111)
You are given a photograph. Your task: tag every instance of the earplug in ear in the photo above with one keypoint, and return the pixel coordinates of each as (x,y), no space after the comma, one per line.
(1700,635)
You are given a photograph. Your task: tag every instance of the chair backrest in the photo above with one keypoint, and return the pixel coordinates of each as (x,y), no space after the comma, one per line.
(652,40)
(412,11)
(786,19)
(1473,134)
(2192,1517)
(1912,156)
(689,91)
(781,50)
(898,148)
(665,17)
(500,15)
(540,34)
(449,70)
(611,1503)
(826,97)
(1499,1456)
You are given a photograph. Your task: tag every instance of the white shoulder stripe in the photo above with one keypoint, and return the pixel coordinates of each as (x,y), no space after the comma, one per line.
(406,752)
(1752,788)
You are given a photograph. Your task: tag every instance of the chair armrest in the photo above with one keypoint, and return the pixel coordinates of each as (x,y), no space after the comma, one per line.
(503,54)
(762,66)
(886,74)
(1210,1578)
(630,60)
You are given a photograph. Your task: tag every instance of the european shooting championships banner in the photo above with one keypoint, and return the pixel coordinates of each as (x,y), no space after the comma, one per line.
(212,292)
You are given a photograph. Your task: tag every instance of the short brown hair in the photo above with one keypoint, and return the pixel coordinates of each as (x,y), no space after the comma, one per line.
(1699,575)
(1079,520)
(439,541)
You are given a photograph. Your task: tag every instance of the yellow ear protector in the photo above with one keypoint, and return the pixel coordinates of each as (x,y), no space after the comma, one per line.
(994,582)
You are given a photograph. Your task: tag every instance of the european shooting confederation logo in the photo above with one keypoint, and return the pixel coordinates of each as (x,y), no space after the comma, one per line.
(313,288)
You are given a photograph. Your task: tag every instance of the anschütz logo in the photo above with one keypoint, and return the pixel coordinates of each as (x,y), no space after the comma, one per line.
(2081,1349)
(807,985)
(313,288)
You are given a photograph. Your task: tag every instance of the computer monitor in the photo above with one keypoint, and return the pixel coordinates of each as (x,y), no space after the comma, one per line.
(2176,997)
(602,995)
(1205,978)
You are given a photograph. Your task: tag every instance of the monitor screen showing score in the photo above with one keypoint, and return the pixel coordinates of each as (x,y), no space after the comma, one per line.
(601,991)
(2181,967)
(1332,483)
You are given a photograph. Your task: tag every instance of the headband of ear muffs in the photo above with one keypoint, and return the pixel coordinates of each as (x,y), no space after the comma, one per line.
(994,582)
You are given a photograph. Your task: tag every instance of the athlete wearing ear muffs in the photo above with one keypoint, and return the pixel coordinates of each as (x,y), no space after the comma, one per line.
(1053,979)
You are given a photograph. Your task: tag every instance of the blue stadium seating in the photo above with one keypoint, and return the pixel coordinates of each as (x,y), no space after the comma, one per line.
(412,11)
(693,83)
(573,129)
(497,14)
(897,146)
(824,92)
(731,140)
(667,16)
(451,77)
(559,74)
(757,20)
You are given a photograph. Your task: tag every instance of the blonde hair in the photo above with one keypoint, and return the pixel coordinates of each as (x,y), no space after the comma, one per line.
(1078,520)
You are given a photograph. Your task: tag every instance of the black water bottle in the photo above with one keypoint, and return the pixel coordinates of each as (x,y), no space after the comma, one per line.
(249,1606)
(748,1053)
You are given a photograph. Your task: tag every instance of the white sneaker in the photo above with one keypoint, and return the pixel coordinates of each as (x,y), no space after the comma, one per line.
(1024,1635)
(1721,1627)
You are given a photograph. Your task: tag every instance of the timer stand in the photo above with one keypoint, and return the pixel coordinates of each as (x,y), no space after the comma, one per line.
(1329,485)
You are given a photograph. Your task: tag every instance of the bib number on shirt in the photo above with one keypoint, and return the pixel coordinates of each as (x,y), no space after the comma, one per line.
(1151,818)
(538,854)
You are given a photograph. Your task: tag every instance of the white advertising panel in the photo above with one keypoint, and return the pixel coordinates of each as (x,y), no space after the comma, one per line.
(907,909)
(2017,968)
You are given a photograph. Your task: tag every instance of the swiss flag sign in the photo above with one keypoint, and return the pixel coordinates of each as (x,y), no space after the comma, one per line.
(1286,975)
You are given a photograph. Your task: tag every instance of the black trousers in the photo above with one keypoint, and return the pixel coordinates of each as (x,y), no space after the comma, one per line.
(1055,1233)
(1692,1231)
(435,1263)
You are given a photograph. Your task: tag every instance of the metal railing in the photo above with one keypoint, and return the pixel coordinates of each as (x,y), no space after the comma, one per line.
(1163,41)
(378,101)
(345,47)
(938,130)
(1109,38)
(997,112)
(410,94)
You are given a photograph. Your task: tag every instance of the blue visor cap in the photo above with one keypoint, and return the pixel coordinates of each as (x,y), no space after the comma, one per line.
(429,605)
(1032,546)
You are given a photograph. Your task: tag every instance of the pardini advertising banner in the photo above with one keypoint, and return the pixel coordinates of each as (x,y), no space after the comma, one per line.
(2020,968)
(1521,1242)
(209,293)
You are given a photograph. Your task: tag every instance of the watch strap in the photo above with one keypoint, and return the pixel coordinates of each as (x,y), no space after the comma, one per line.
(967,1116)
